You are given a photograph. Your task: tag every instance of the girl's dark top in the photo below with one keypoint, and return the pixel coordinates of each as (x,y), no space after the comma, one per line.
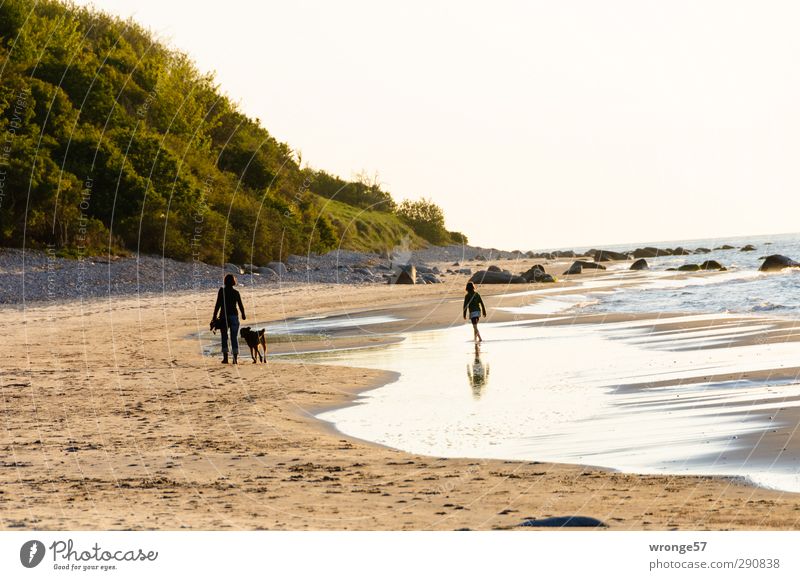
(473,303)
(227,299)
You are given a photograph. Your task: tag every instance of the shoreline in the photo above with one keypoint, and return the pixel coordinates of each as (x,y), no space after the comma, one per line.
(155,441)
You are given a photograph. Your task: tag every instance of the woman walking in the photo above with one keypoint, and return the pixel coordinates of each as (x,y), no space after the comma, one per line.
(228,299)
(473,303)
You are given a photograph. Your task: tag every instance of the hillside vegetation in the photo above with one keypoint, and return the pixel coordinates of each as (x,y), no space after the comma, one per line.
(112,141)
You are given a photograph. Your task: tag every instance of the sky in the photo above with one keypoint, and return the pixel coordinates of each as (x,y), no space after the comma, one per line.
(532,124)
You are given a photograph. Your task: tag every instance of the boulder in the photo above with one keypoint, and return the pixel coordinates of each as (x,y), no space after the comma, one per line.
(680,252)
(749,248)
(267,272)
(777,262)
(486,277)
(494,269)
(724,247)
(591,265)
(406,275)
(537,274)
(712,265)
(564,254)
(480,258)
(467,271)
(430,278)
(278,267)
(607,255)
(232,269)
(689,268)
(576,268)
(648,252)
(702,251)
(640,264)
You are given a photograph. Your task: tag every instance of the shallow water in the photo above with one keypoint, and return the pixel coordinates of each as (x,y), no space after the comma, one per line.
(580,394)
(742,289)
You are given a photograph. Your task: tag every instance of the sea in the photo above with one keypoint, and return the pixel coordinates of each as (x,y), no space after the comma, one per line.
(740,290)
(618,395)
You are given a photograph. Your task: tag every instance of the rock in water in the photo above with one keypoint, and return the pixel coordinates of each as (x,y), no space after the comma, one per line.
(640,264)
(486,277)
(712,265)
(606,255)
(648,252)
(749,248)
(407,275)
(689,268)
(777,262)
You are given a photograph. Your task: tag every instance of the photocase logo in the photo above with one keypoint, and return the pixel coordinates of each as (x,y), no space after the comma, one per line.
(31,553)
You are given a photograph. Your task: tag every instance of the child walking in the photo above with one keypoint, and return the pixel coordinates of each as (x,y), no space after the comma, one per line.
(473,303)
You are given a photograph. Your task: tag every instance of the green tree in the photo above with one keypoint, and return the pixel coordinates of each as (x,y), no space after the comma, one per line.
(425,218)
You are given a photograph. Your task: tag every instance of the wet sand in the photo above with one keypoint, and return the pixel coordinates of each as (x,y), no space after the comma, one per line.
(113,419)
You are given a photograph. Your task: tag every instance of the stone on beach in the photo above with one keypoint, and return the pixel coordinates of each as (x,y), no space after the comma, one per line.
(564,522)
(490,277)
(537,274)
(278,267)
(407,275)
(640,264)
(578,266)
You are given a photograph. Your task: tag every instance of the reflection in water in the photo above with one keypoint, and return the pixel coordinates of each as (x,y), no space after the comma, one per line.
(631,401)
(477,373)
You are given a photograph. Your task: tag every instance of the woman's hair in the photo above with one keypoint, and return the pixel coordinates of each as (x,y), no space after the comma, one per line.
(230,280)
(470,287)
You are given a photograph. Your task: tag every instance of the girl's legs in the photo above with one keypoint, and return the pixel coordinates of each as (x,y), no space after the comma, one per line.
(475,331)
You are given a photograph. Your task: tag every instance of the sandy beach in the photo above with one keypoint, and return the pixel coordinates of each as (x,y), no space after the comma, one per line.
(113,418)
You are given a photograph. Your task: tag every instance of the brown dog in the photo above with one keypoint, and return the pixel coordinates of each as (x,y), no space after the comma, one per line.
(254,338)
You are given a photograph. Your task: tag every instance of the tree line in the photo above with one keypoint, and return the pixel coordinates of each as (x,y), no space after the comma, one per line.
(112,141)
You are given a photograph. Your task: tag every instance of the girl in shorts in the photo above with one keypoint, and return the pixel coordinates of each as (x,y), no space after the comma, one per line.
(473,304)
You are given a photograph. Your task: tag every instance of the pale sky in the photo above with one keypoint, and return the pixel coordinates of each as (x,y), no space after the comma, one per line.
(533,124)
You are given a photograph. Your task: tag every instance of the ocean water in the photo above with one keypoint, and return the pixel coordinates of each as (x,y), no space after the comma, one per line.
(616,395)
(742,289)
(613,395)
